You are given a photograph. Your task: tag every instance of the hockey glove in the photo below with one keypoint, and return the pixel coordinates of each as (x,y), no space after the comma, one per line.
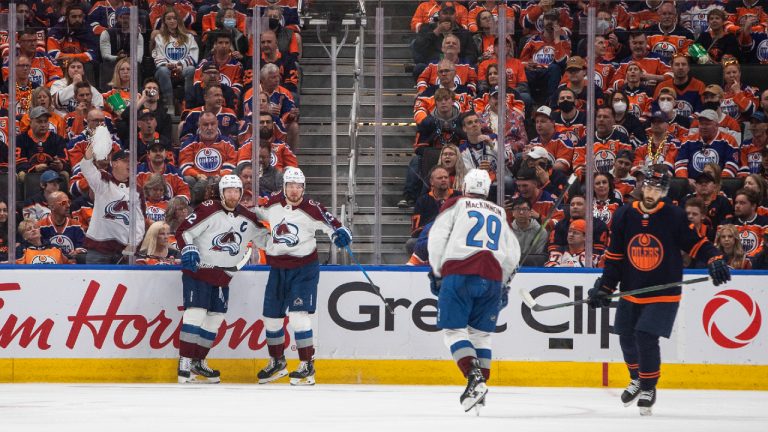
(598,295)
(190,258)
(718,270)
(504,301)
(342,237)
(434,283)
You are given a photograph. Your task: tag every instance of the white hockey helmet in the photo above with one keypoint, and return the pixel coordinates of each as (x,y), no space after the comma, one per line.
(293,175)
(229,181)
(477,181)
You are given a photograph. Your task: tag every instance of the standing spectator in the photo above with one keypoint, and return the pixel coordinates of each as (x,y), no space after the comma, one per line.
(727,241)
(529,233)
(175,53)
(59,229)
(108,231)
(63,90)
(115,43)
(71,39)
(155,249)
(32,249)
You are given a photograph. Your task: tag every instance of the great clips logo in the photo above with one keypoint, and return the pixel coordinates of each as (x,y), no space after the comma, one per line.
(740,305)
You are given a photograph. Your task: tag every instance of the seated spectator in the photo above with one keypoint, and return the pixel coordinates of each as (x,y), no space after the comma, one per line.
(281,104)
(117,100)
(654,69)
(452,162)
(490,7)
(695,15)
(576,71)
(281,154)
(752,149)
(270,178)
(484,36)
(207,76)
(105,14)
(607,198)
(608,142)
(41,97)
(288,39)
(638,95)
(278,129)
(710,144)
(514,126)
(727,242)
(625,119)
(666,38)
(158,162)
(711,100)
(115,42)
(575,254)
(696,211)
(517,80)
(760,261)
(177,211)
(678,124)
(149,100)
(32,249)
(290,10)
(464,71)
(752,41)
(3,231)
(206,154)
(185,13)
(689,90)
(559,146)
(759,186)
(148,136)
(82,206)
(739,101)
(429,12)
(429,39)
(570,123)
(541,201)
(77,145)
(39,149)
(539,159)
(232,22)
(210,14)
(64,90)
(154,198)
(707,187)
(535,14)
(420,255)
(175,54)
(59,229)
(660,147)
(36,206)
(155,249)
(71,39)
(750,224)
(544,57)
(285,62)
(605,69)
(577,210)
(77,121)
(428,205)
(425,101)
(43,71)
(716,40)
(529,233)
(214,103)
(480,151)
(230,69)
(24,85)
(623,181)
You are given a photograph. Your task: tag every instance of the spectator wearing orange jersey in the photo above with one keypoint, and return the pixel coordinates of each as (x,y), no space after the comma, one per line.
(533,17)
(41,96)
(185,13)
(43,71)
(749,14)
(229,67)
(750,225)
(667,38)
(429,39)
(155,249)
(157,162)
(465,73)
(425,101)
(739,100)
(644,13)
(428,12)
(72,39)
(559,148)
(654,69)
(281,155)
(544,56)
(32,250)
(514,72)
(623,181)
(639,95)
(492,7)
(206,154)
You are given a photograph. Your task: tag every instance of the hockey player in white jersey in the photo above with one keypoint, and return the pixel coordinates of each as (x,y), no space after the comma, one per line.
(472,251)
(295,272)
(211,239)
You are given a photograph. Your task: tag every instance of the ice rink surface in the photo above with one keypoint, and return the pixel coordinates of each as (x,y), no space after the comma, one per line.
(279,407)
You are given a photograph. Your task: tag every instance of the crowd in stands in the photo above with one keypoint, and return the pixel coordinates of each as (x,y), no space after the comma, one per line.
(650,109)
(194,66)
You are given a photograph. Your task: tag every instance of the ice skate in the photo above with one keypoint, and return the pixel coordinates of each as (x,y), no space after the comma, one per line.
(475,392)
(203,374)
(275,370)
(184,370)
(304,375)
(631,393)
(645,401)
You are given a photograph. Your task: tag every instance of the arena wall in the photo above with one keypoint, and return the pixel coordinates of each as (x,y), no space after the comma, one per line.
(120,324)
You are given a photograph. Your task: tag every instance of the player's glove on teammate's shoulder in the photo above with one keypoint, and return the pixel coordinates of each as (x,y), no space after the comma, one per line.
(342,237)
(598,295)
(434,283)
(718,270)
(190,258)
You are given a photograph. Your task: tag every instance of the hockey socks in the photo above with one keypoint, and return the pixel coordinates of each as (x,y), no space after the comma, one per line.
(276,343)
(304,345)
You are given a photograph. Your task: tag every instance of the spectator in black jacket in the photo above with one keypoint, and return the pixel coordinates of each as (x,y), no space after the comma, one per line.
(40,149)
(149,99)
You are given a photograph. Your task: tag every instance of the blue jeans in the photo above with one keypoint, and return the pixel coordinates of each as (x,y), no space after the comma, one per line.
(163,77)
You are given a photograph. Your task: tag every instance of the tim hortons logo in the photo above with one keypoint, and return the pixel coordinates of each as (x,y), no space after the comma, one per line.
(752,323)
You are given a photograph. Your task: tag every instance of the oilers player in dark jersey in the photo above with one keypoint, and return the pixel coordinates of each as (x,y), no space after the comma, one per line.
(646,240)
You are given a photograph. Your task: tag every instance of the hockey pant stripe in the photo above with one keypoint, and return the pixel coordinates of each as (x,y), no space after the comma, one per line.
(303,339)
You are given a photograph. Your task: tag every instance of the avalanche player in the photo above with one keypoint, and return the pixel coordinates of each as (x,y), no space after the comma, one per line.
(646,240)
(472,251)
(295,272)
(212,238)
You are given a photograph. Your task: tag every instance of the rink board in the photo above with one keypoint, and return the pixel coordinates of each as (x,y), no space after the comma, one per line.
(90,324)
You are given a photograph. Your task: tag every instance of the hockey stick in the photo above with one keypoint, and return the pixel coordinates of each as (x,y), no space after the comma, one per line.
(237,267)
(373,286)
(531,303)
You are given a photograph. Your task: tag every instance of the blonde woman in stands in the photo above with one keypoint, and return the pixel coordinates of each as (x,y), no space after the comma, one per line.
(727,241)
(41,96)
(450,159)
(155,248)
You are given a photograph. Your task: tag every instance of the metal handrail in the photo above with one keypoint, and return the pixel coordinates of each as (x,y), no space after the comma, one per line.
(354,126)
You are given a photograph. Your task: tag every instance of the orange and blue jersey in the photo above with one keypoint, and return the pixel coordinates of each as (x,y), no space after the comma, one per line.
(465,75)
(694,155)
(541,52)
(688,95)
(425,102)
(667,44)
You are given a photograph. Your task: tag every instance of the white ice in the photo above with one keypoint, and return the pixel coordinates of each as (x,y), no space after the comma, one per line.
(364,408)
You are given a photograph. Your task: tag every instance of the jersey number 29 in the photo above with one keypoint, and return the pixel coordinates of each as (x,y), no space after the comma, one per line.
(492,229)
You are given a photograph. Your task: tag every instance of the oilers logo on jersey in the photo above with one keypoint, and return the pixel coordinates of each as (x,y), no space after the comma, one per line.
(645,252)
(604,161)
(665,50)
(749,241)
(63,242)
(227,242)
(155,213)
(118,211)
(544,56)
(684,108)
(36,77)
(43,259)
(703,157)
(285,233)
(208,159)
(175,52)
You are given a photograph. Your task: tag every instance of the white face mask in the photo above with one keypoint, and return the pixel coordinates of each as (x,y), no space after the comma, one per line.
(620,107)
(666,106)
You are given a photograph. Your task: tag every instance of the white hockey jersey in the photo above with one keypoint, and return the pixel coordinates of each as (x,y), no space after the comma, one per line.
(221,237)
(293,241)
(471,236)
(109,228)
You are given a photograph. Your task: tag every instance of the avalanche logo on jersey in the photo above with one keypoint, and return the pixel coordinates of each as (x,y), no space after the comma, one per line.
(208,159)
(704,156)
(285,233)
(545,56)
(762,51)
(63,242)
(645,252)
(175,52)
(749,241)
(118,211)
(227,242)
(665,50)
(604,160)
(43,259)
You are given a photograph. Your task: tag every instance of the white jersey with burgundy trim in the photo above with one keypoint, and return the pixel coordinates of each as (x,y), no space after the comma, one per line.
(221,237)
(293,241)
(471,236)
(109,228)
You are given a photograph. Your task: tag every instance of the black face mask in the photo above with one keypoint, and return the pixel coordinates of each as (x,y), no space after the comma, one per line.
(274,24)
(711,105)
(265,132)
(566,106)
